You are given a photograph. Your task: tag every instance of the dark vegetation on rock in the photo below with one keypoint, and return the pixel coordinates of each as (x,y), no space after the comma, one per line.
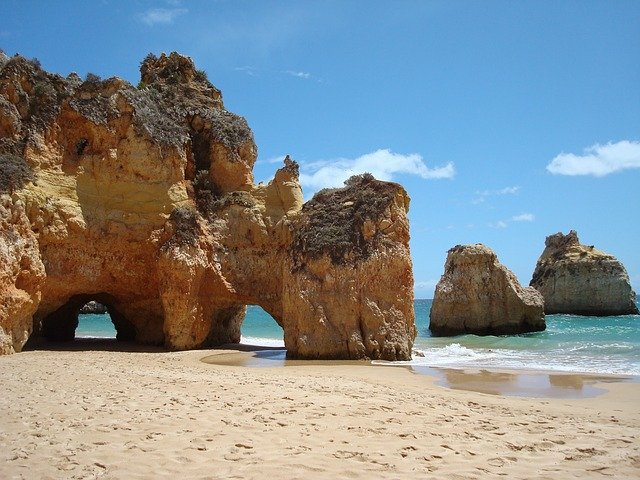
(39,94)
(89,102)
(151,118)
(332,220)
(185,228)
(172,94)
(14,173)
(291,166)
(209,198)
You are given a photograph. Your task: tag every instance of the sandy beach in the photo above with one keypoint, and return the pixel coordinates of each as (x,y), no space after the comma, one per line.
(153,414)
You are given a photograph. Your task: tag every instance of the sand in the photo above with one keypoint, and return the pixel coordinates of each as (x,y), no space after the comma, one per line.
(153,414)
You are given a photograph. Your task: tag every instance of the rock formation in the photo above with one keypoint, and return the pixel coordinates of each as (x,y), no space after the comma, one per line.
(479,295)
(93,307)
(579,279)
(143,199)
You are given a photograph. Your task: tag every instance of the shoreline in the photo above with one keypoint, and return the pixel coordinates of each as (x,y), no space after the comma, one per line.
(136,412)
(277,359)
(506,382)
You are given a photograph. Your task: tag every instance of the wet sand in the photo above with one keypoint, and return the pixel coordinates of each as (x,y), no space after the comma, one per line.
(100,413)
(518,383)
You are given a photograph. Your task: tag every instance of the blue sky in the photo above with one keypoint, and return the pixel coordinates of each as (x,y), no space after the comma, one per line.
(505,121)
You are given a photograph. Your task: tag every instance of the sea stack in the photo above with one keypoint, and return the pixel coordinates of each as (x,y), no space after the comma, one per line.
(582,280)
(479,295)
(142,199)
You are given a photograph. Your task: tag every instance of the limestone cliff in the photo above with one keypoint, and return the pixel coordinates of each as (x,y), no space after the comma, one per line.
(143,200)
(479,295)
(580,279)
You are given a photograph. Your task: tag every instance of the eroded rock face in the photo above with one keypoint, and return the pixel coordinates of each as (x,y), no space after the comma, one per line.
(143,199)
(479,295)
(351,240)
(21,275)
(580,279)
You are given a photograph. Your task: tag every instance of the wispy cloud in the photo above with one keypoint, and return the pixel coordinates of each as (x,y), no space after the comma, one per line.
(271,160)
(303,75)
(523,217)
(425,286)
(598,160)
(258,34)
(482,196)
(382,164)
(426,283)
(248,70)
(155,16)
(499,224)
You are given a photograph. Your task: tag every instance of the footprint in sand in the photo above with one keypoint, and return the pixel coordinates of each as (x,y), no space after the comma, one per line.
(501,461)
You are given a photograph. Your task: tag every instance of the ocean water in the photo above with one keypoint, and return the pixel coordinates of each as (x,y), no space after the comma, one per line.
(571,343)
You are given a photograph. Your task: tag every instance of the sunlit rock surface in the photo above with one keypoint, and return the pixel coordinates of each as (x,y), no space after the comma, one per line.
(143,199)
(479,295)
(580,279)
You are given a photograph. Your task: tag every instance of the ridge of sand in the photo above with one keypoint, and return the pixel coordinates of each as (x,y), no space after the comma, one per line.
(138,415)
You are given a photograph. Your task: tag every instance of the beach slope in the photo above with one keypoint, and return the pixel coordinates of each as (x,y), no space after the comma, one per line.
(155,414)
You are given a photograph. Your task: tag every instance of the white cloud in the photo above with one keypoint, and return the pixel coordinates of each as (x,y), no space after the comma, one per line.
(508,191)
(523,217)
(598,160)
(482,196)
(382,164)
(155,16)
(303,75)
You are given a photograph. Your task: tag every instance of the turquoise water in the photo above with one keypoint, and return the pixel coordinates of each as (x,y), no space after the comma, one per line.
(570,343)
(605,345)
(95,326)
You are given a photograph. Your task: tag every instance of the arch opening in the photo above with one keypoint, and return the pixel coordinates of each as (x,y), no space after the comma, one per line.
(94,321)
(259,328)
(62,324)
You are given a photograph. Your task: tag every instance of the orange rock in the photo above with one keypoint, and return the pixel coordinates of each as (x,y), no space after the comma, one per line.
(143,200)
(580,279)
(479,295)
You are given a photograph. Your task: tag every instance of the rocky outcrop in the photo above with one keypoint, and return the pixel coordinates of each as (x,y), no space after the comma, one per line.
(351,240)
(580,279)
(93,307)
(143,200)
(479,295)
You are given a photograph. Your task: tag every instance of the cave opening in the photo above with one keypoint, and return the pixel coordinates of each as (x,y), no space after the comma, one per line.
(105,320)
(94,321)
